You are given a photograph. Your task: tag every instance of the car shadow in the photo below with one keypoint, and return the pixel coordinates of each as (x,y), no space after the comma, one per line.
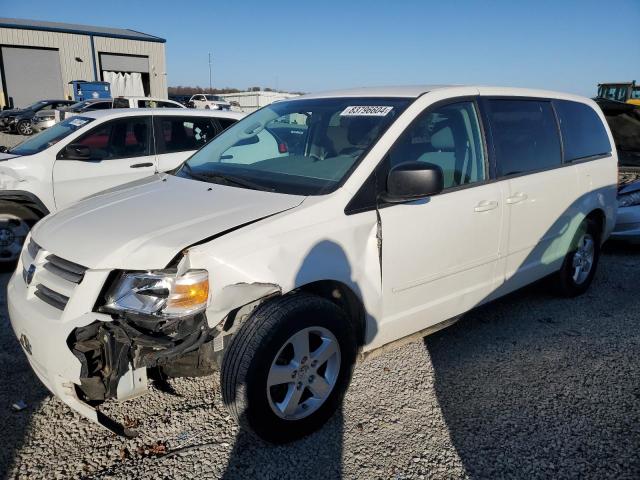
(551,394)
(18,384)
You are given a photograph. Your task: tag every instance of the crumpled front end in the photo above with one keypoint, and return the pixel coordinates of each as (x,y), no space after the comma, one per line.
(85,357)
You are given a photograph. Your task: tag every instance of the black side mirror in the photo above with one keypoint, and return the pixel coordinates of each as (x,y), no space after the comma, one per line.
(3,149)
(412,181)
(76,151)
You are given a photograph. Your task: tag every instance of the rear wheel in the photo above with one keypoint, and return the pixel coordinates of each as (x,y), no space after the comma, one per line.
(24,127)
(15,223)
(579,266)
(288,367)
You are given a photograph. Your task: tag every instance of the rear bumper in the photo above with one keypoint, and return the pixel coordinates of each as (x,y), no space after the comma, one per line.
(627,225)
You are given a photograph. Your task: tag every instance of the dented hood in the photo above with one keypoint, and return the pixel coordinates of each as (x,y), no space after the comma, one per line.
(143,225)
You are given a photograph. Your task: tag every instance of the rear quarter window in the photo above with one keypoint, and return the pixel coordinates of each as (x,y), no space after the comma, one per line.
(525,135)
(583,133)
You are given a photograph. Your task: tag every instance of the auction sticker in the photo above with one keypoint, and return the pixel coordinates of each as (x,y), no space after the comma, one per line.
(366,111)
(77,122)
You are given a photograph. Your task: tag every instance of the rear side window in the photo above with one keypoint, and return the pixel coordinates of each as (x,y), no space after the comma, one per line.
(582,130)
(181,134)
(120,103)
(525,135)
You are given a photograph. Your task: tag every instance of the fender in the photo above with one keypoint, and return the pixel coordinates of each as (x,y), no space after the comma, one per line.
(25,198)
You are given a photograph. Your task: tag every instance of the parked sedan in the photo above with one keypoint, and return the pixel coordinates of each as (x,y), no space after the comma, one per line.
(19,119)
(48,118)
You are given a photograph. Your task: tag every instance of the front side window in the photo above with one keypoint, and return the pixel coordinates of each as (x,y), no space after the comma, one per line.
(525,135)
(50,136)
(304,147)
(123,138)
(180,134)
(100,106)
(448,137)
(582,130)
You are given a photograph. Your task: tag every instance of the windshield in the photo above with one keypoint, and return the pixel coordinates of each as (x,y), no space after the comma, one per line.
(302,147)
(50,136)
(213,98)
(79,105)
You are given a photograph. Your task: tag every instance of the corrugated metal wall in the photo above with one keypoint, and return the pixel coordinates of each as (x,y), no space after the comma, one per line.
(72,45)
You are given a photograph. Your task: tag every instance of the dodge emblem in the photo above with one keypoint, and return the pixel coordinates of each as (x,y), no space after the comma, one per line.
(29,275)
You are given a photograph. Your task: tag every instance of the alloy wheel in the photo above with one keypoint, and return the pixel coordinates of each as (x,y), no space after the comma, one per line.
(303,373)
(583,258)
(13,231)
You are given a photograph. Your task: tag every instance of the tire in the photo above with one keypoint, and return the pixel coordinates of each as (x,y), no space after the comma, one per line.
(261,353)
(580,264)
(15,223)
(207,107)
(24,127)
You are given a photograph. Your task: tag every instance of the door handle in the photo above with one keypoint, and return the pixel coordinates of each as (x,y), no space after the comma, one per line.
(517,198)
(140,165)
(486,205)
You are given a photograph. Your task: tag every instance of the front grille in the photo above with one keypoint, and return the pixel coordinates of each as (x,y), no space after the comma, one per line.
(55,279)
(70,271)
(33,248)
(54,299)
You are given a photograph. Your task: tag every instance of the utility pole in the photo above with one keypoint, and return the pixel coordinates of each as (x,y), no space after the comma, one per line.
(210,84)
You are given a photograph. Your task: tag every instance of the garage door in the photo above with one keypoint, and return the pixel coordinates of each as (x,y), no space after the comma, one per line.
(32,74)
(124,63)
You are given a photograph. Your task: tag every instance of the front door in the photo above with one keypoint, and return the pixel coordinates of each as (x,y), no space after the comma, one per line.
(439,255)
(121,152)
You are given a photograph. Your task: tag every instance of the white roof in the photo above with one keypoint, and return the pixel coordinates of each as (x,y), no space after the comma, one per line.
(414,91)
(173,112)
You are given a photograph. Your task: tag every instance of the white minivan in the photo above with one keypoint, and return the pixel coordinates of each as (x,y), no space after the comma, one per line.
(90,152)
(369,216)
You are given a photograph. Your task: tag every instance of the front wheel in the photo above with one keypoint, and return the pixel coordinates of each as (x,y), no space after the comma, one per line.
(15,223)
(24,127)
(288,367)
(579,266)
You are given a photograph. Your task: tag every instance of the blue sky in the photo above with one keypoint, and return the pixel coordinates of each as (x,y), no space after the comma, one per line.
(326,44)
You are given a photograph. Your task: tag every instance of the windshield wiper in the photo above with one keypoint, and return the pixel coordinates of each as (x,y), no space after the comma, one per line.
(241,182)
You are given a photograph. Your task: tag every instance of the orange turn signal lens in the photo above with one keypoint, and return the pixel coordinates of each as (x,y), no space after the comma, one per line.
(189,293)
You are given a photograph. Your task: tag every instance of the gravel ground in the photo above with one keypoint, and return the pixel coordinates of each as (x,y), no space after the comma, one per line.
(10,140)
(530,386)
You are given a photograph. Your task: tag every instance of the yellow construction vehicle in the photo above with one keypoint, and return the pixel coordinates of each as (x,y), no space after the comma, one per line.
(626,92)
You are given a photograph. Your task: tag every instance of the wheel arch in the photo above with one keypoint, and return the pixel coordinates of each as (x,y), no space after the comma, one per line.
(599,218)
(26,199)
(344,297)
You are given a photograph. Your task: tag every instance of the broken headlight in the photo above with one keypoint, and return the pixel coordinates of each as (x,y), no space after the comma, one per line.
(629,200)
(160,293)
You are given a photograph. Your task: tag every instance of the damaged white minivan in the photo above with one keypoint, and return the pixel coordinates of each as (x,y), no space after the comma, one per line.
(315,230)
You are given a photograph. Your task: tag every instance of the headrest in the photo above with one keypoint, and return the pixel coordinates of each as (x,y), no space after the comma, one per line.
(443,139)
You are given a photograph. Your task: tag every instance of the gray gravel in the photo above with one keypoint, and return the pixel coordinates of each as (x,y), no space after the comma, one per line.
(10,140)
(530,386)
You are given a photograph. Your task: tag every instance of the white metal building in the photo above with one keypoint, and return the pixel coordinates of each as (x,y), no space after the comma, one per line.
(252,101)
(39,59)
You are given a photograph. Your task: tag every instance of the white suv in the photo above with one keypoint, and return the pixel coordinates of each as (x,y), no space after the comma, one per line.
(209,102)
(90,152)
(369,216)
